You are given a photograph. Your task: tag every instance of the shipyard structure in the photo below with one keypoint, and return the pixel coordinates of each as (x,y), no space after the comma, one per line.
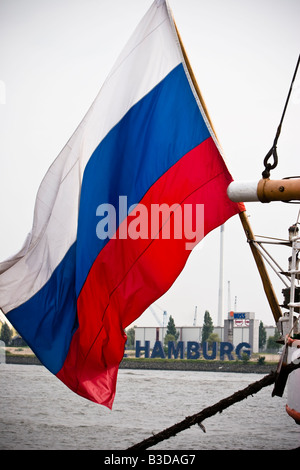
(239,328)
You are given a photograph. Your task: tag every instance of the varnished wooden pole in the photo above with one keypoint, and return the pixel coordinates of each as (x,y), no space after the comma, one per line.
(278,190)
(267,285)
(265,190)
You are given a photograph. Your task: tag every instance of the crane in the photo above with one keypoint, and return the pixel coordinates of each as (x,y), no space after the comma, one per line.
(162,324)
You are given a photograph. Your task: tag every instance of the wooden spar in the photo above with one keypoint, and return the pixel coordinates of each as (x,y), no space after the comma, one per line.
(268,288)
(267,285)
(193,78)
(265,190)
(278,190)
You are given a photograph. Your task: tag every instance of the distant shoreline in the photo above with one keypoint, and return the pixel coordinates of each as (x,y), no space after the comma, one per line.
(169,364)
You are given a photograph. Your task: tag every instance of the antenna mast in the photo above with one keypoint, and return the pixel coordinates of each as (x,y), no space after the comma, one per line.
(221,300)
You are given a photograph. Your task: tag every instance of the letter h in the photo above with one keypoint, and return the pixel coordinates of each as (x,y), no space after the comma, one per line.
(139,348)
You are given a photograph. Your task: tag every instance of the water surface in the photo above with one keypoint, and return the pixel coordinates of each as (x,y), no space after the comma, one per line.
(40,412)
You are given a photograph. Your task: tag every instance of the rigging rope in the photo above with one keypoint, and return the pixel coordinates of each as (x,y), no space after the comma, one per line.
(211,410)
(273,150)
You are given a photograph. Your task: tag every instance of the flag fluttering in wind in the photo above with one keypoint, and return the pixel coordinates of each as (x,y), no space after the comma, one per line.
(138,184)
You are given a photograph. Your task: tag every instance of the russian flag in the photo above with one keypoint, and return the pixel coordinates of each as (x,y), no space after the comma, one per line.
(91,265)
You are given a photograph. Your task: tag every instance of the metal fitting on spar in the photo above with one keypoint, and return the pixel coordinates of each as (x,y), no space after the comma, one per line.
(265,190)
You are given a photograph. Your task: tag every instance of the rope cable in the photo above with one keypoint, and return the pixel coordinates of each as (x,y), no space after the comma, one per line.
(273,150)
(210,411)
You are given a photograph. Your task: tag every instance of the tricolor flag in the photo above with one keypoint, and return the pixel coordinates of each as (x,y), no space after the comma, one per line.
(98,254)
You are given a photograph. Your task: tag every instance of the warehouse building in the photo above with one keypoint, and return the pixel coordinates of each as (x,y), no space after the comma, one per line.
(239,327)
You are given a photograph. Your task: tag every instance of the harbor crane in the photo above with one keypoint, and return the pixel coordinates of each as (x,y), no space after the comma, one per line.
(162,323)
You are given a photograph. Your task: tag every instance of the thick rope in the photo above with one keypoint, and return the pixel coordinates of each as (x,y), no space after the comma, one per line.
(209,411)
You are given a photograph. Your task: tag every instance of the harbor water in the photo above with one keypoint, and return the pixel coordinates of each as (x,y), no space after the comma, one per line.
(39,412)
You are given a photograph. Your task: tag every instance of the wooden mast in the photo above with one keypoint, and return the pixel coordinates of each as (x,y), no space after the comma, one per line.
(267,285)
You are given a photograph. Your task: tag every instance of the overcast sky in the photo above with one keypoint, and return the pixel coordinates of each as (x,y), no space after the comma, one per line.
(56,54)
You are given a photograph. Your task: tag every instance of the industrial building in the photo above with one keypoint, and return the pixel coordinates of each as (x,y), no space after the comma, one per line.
(239,327)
